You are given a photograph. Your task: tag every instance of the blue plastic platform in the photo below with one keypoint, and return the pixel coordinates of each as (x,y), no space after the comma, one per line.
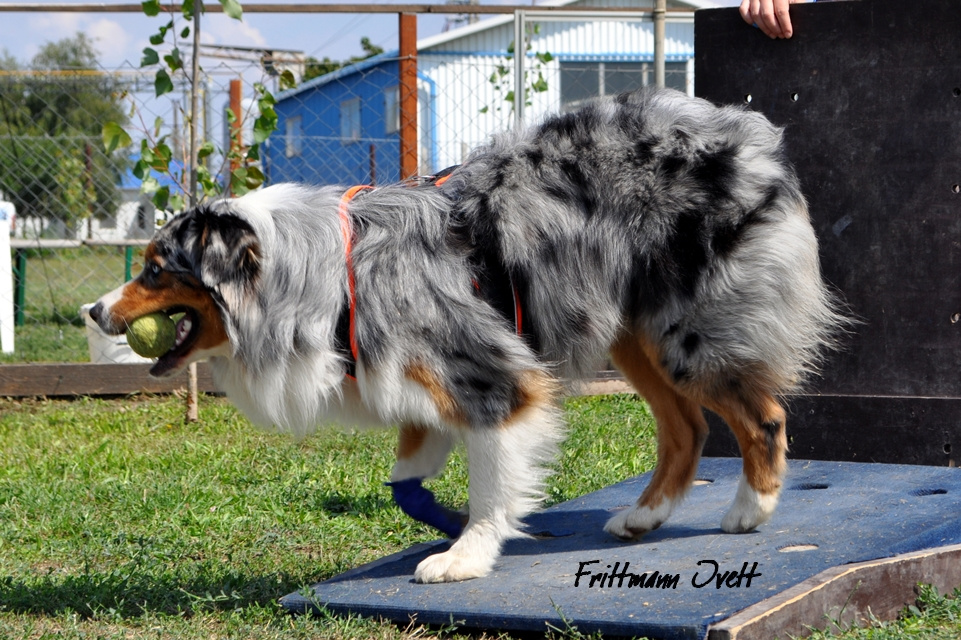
(686,575)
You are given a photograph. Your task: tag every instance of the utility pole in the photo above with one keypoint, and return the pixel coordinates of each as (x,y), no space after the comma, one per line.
(660,14)
(192,395)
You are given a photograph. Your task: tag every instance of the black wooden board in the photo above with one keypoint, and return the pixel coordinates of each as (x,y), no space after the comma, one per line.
(869,93)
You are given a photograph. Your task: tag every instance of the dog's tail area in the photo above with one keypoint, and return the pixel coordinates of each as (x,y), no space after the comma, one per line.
(774,319)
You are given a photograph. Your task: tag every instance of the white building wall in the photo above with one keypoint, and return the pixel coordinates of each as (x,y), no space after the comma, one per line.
(468,106)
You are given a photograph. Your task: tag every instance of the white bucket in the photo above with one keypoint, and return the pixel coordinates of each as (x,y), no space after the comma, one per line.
(6,285)
(106,349)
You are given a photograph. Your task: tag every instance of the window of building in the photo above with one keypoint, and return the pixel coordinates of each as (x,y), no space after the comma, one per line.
(293,136)
(143,218)
(392,110)
(581,81)
(350,119)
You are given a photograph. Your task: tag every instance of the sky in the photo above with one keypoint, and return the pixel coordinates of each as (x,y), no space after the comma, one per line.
(121,37)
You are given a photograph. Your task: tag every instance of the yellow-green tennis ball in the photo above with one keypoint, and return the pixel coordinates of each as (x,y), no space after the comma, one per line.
(152,335)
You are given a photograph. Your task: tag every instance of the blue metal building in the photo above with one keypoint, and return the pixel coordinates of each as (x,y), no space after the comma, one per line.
(343,127)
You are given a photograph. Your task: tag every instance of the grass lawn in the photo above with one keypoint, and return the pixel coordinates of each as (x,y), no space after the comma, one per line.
(118,521)
(58,283)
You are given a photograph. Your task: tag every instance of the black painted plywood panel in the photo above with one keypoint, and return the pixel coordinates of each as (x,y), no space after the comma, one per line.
(869,93)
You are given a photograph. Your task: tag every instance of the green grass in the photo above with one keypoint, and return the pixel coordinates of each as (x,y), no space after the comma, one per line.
(116,519)
(58,283)
(119,521)
(934,617)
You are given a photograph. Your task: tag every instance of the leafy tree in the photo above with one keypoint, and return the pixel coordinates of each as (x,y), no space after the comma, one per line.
(155,150)
(315,68)
(51,115)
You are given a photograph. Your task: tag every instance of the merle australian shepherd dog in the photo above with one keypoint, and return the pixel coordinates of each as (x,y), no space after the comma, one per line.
(655,229)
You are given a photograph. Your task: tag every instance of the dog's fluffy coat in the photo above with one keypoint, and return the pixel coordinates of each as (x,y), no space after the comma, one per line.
(656,228)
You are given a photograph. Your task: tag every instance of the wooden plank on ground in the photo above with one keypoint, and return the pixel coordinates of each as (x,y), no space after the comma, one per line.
(79,379)
(83,379)
(848,594)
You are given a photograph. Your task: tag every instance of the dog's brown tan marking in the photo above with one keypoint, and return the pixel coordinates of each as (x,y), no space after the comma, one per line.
(681,427)
(446,405)
(535,391)
(410,440)
(160,288)
(758,423)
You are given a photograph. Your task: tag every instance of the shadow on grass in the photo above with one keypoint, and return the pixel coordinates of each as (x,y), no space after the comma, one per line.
(129,596)
(338,503)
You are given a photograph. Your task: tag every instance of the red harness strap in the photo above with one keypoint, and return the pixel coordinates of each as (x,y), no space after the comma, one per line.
(347,229)
(441,180)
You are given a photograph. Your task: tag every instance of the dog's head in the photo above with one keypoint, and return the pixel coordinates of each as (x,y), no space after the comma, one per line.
(199,264)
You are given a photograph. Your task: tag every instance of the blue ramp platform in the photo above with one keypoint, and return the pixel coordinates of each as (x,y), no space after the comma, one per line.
(840,528)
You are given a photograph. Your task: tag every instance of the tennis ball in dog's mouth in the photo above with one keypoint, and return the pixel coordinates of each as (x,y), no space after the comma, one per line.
(152,335)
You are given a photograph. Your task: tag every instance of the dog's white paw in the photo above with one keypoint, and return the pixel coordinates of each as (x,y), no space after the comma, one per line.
(634,522)
(750,509)
(451,566)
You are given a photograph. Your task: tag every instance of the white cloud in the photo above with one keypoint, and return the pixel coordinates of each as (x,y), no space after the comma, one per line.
(111,40)
(220,29)
(55,26)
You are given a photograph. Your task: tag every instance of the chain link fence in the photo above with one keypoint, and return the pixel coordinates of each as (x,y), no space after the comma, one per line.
(77,215)
(79,220)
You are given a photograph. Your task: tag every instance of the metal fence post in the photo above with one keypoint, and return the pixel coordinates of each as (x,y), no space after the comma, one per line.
(407,70)
(660,15)
(520,53)
(19,286)
(127,263)
(192,394)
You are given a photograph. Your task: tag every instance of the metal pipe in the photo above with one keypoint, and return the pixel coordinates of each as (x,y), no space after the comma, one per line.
(520,53)
(306,7)
(660,10)
(193,411)
(194,103)
(407,70)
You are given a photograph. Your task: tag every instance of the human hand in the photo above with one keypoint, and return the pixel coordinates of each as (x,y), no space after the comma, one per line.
(770,16)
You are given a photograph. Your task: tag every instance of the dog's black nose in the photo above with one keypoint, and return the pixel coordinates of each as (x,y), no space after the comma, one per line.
(96,311)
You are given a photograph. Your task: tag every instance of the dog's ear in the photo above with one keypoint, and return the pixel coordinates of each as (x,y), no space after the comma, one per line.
(230,256)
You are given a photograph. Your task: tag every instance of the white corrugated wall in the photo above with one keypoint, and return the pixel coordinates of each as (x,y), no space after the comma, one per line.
(457,73)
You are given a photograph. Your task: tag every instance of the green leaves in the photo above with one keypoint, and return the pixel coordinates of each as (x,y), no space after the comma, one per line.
(544,57)
(205,150)
(162,83)
(150,57)
(173,60)
(114,137)
(266,122)
(245,179)
(159,37)
(156,155)
(539,85)
(232,8)
(503,84)
(287,80)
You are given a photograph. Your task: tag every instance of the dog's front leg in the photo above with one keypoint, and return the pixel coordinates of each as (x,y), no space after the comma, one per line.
(421,454)
(506,476)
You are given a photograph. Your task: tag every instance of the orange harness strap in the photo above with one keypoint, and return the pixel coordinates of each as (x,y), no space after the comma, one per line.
(347,229)
(439,181)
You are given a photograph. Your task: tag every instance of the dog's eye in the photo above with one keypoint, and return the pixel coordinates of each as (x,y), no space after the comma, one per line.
(155,269)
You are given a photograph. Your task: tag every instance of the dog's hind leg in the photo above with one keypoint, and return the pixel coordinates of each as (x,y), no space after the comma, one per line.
(681,432)
(507,471)
(421,454)
(758,423)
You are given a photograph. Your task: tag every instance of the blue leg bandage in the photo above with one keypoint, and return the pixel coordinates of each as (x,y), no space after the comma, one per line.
(419,504)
